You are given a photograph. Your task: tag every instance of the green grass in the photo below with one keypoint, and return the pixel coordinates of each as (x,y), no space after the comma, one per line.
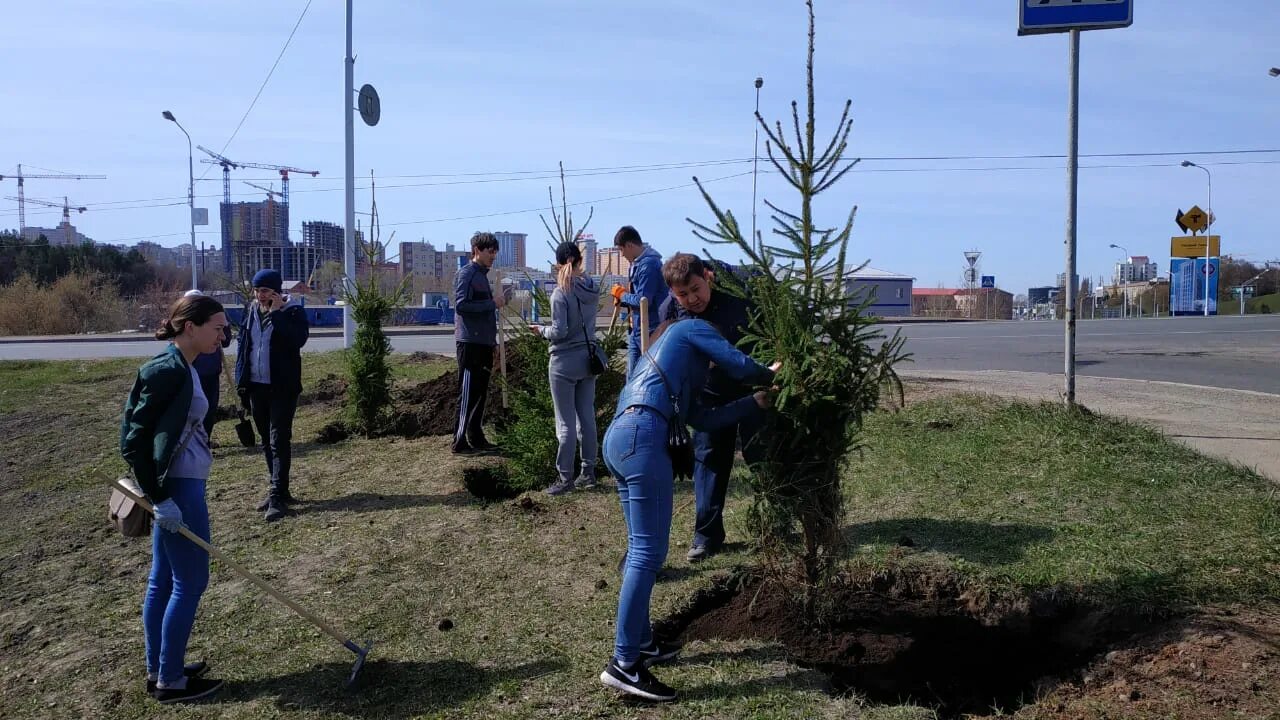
(1252,307)
(1012,496)
(1033,496)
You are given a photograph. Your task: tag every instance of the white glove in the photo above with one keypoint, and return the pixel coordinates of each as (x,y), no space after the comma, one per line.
(168,516)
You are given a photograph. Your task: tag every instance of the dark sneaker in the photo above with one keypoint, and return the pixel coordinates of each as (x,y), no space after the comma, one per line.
(275,510)
(636,681)
(287,498)
(197,689)
(560,487)
(462,450)
(586,483)
(192,670)
(658,653)
(485,446)
(697,553)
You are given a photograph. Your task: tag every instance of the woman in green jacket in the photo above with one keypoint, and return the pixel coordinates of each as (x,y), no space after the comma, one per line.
(164,440)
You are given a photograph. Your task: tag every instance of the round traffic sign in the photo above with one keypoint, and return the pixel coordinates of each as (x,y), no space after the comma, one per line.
(370,106)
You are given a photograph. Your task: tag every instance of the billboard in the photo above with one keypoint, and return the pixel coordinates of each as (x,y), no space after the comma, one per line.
(1186,286)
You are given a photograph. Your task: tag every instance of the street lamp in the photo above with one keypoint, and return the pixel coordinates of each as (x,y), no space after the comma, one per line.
(1124,293)
(191,197)
(755,161)
(1208,232)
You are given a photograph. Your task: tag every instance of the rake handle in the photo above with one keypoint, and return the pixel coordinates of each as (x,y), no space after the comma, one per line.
(244,572)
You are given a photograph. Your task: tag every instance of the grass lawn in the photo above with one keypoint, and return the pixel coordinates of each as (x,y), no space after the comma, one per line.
(1010,497)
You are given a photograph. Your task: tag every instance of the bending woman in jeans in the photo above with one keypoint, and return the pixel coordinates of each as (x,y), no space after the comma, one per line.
(635,450)
(573,387)
(163,439)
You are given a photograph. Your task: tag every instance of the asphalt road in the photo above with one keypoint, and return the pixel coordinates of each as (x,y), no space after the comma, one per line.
(1227,352)
(1240,353)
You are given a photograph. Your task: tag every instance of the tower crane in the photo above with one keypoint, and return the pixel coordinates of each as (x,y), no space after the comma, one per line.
(66,213)
(22,209)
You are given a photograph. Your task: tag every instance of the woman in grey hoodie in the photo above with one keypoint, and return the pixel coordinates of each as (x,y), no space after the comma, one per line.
(573,387)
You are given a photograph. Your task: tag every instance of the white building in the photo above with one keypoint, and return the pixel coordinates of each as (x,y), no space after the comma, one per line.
(1138,268)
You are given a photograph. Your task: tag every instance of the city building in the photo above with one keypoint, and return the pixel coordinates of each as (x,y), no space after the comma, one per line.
(890,292)
(158,254)
(511,250)
(322,242)
(1138,268)
(251,240)
(975,303)
(587,243)
(422,259)
(64,234)
(609,261)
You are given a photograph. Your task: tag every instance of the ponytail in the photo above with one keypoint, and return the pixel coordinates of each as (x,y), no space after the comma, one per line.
(167,331)
(564,277)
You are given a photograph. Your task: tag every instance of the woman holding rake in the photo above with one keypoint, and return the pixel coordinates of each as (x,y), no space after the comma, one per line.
(163,439)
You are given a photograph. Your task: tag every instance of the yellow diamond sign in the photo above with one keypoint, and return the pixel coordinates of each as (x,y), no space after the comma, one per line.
(1195,219)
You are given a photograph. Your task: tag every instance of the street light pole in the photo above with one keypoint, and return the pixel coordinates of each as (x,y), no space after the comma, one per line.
(755,161)
(1208,231)
(1124,294)
(191,197)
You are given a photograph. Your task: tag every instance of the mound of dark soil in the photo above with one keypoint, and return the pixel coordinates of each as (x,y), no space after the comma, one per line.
(915,637)
(328,389)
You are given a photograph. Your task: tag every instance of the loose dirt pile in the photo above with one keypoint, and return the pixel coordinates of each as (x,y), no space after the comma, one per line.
(919,637)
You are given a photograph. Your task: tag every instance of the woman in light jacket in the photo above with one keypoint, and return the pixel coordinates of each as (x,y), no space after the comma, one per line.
(163,439)
(573,387)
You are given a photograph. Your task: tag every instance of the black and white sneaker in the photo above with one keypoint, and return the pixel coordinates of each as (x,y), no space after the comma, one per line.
(636,681)
(658,653)
(191,670)
(197,689)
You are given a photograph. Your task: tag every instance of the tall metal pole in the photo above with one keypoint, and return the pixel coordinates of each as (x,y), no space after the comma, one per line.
(349,265)
(1073,156)
(191,197)
(1207,235)
(755,161)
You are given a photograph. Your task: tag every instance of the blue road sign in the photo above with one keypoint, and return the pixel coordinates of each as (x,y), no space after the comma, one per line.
(1050,16)
(988,281)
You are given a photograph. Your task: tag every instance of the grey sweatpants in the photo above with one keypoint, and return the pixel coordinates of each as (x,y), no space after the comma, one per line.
(573,392)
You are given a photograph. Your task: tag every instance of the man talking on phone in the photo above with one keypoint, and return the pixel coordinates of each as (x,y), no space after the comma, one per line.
(269,378)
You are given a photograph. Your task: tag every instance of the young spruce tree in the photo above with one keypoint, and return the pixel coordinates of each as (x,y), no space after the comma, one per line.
(835,360)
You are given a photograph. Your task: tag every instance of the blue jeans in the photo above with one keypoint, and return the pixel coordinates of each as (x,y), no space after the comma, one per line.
(635,450)
(179,575)
(633,352)
(713,456)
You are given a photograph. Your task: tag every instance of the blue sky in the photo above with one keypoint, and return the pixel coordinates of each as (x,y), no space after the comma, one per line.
(503,87)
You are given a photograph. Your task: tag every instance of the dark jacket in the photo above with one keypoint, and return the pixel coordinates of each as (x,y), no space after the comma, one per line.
(289,332)
(731,316)
(210,364)
(155,416)
(684,352)
(474,313)
(645,280)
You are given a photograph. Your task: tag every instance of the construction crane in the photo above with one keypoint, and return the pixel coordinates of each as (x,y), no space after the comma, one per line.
(282,217)
(22,209)
(66,214)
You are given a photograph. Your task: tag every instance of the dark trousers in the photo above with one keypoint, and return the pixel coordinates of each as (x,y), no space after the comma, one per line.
(211,385)
(475,366)
(713,464)
(273,411)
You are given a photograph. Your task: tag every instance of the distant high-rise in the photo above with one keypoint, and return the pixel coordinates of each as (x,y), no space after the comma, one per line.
(611,262)
(322,242)
(423,260)
(510,250)
(251,240)
(587,243)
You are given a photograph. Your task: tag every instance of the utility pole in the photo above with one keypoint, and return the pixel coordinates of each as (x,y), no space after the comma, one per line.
(349,264)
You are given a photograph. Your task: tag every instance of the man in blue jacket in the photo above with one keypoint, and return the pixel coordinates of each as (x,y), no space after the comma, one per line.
(475,329)
(643,280)
(269,378)
(694,294)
